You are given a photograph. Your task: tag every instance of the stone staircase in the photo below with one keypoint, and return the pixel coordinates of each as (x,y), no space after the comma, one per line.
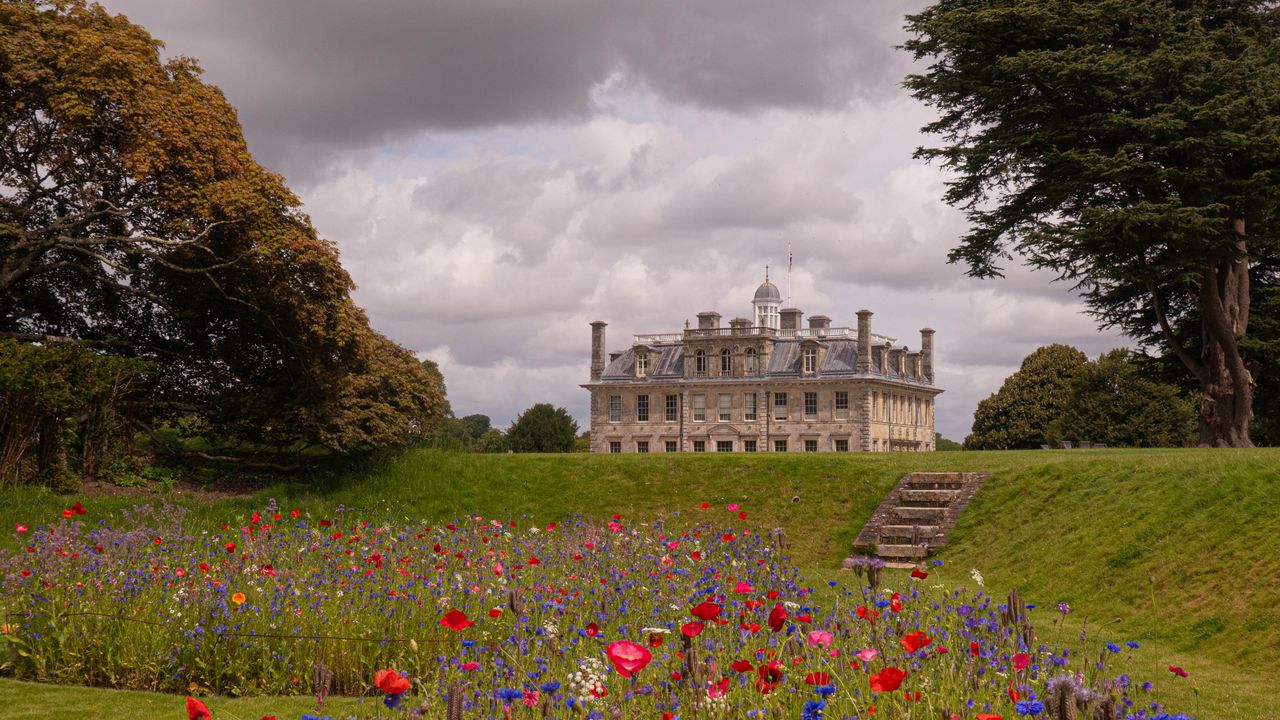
(918,515)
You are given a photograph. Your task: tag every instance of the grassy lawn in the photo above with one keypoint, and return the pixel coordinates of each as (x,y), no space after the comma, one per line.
(1172,548)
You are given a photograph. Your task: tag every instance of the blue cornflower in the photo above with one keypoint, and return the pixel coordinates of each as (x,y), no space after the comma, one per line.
(1113,647)
(1029,707)
(1133,644)
(813,710)
(508,694)
(549,687)
(392,701)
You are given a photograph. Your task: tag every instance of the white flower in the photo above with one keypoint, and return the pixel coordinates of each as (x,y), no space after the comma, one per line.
(977,576)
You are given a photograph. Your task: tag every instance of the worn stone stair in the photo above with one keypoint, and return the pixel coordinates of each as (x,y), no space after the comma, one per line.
(917,515)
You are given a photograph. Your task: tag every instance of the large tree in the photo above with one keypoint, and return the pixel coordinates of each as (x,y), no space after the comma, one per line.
(1110,401)
(134,219)
(543,428)
(1018,416)
(1131,146)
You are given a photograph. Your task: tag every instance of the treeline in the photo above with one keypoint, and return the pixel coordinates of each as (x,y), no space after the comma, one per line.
(157,285)
(541,428)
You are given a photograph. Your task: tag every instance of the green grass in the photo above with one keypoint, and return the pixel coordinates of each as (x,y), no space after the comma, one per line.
(1172,548)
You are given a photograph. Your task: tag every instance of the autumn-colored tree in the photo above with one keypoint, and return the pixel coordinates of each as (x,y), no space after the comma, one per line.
(135,220)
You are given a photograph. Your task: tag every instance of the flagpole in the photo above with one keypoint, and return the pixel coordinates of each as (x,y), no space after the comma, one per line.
(789,259)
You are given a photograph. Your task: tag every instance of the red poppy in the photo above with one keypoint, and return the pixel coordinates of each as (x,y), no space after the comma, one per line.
(868,614)
(456,620)
(742,666)
(692,629)
(887,680)
(1013,693)
(19,527)
(768,677)
(231,547)
(777,618)
(913,641)
(895,603)
(727,537)
(706,611)
(204,567)
(627,657)
(390,682)
(655,639)
(989,716)
(197,710)
(817,678)
(717,689)
(975,649)
(495,613)
(1177,671)
(1021,661)
(592,629)
(704,506)
(919,574)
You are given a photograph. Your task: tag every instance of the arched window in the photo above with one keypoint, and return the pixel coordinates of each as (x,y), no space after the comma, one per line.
(751,361)
(700,362)
(726,362)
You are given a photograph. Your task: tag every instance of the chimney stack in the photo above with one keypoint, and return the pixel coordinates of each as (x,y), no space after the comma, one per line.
(790,318)
(819,324)
(926,354)
(739,324)
(709,320)
(864,341)
(597,349)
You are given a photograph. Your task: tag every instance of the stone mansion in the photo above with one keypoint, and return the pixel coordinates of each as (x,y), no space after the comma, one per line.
(763,385)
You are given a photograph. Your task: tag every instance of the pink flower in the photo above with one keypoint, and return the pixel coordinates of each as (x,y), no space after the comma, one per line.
(19,527)
(530,698)
(743,588)
(733,507)
(627,657)
(614,527)
(868,654)
(1021,661)
(820,638)
(1177,671)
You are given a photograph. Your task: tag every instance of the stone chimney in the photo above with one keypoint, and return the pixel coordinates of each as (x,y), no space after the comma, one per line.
(864,341)
(819,324)
(790,318)
(597,349)
(739,324)
(926,354)
(709,320)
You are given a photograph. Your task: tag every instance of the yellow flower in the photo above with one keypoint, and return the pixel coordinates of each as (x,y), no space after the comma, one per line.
(237,598)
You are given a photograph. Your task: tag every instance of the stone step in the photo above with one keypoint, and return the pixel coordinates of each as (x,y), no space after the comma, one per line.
(901,551)
(918,514)
(923,532)
(917,496)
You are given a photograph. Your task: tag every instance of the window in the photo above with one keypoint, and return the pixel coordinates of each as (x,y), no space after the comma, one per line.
(699,408)
(842,404)
(615,408)
(749,407)
(672,405)
(726,362)
(810,359)
(811,446)
(748,446)
(779,445)
(670,446)
(751,361)
(700,362)
(811,406)
(642,446)
(875,406)
(726,407)
(642,408)
(724,446)
(842,445)
(779,406)
(699,445)
(615,446)
(642,364)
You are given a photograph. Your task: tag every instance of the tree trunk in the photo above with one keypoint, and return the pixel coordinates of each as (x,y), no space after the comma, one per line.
(1226,408)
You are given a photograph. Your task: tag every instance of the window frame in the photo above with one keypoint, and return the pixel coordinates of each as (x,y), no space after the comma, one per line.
(670,446)
(642,446)
(810,445)
(842,405)
(615,408)
(810,405)
(699,413)
(615,447)
(724,407)
(839,442)
(699,445)
(780,406)
(752,361)
(779,445)
(642,364)
(700,362)
(642,408)
(749,446)
(726,362)
(749,409)
(671,409)
(810,355)
(720,445)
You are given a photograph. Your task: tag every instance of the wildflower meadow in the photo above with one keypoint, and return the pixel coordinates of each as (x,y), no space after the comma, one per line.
(701,615)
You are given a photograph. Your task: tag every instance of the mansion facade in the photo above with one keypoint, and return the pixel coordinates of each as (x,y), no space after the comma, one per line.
(763,384)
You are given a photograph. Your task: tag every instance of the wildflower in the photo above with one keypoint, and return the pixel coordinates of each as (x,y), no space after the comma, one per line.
(977,576)
(819,638)
(768,677)
(196,710)
(456,620)
(1113,647)
(918,574)
(813,710)
(817,678)
(1021,661)
(868,654)
(717,689)
(237,598)
(777,618)
(19,528)
(1176,670)
(1064,608)
(691,629)
(913,641)
(391,682)
(742,666)
(887,680)
(1029,707)
(1133,644)
(627,657)
(706,611)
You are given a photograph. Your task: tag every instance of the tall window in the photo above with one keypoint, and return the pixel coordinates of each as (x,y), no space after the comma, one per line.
(700,362)
(811,406)
(642,408)
(779,406)
(615,408)
(842,404)
(751,361)
(810,359)
(726,362)
(749,407)
(642,364)
(726,407)
(699,408)
(672,406)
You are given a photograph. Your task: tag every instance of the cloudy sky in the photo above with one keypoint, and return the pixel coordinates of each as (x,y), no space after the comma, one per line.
(499,173)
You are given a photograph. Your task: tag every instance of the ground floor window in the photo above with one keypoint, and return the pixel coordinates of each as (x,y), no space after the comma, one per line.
(724,446)
(811,446)
(671,446)
(699,445)
(779,445)
(748,446)
(642,446)
(842,445)
(615,446)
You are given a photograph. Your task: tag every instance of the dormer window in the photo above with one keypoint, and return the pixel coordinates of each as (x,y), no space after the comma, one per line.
(726,362)
(751,361)
(642,364)
(700,362)
(810,359)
